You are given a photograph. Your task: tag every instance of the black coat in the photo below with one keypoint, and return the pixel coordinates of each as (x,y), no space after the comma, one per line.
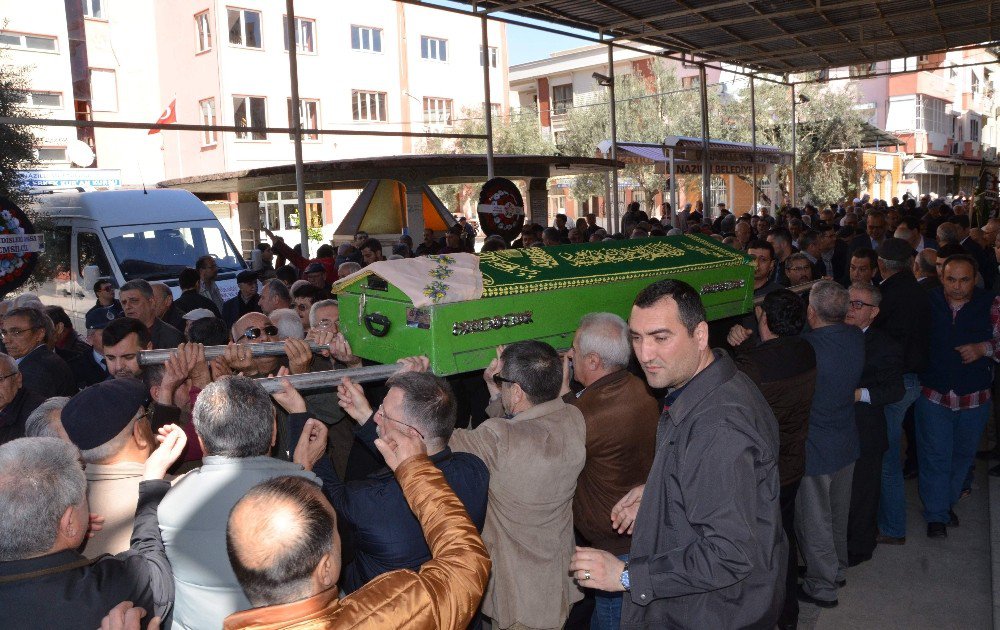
(882,376)
(905,315)
(46,374)
(191,299)
(841,260)
(87,370)
(12,416)
(78,593)
(234,308)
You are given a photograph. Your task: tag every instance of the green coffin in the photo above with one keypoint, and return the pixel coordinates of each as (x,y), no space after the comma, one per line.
(537,293)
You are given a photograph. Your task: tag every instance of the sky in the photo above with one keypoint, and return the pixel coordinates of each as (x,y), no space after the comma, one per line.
(527,44)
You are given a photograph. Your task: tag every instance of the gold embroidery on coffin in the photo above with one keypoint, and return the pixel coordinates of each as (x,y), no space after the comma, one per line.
(649,252)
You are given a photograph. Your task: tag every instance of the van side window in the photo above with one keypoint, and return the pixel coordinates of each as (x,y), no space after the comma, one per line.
(90,252)
(55,262)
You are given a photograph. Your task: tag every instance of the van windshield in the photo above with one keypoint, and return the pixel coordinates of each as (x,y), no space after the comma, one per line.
(161,252)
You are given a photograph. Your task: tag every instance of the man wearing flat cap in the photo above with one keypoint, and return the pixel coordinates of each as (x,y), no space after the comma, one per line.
(90,367)
(109,423)
(315,273)
(245,301)
(904,315)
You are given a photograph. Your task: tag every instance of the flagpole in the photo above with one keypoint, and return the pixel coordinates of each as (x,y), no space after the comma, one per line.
(180,160)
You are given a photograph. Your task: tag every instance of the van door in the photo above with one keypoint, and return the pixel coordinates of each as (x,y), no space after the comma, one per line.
(88,250)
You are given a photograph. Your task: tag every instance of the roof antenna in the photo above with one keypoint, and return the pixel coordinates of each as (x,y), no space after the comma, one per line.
(142,179)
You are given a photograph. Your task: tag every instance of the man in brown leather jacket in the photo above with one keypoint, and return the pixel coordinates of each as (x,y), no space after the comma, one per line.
(285,551)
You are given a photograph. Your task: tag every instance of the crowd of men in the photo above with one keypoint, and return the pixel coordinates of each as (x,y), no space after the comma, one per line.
(664,471)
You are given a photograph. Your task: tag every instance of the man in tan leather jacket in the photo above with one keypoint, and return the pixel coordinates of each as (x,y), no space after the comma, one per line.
(285,551)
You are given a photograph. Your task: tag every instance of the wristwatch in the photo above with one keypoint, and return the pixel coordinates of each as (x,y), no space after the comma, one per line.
(626,583)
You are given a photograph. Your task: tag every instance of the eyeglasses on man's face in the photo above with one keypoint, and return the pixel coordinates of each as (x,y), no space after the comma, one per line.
(14,333)
(381,412)
(859,304)
(256,333)
(500,380)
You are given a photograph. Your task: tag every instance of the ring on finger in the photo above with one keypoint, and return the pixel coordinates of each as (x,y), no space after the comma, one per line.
(586,575)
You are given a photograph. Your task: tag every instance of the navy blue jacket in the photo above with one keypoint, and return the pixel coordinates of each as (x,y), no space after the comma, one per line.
(832,441)
(386,534)
(972,324)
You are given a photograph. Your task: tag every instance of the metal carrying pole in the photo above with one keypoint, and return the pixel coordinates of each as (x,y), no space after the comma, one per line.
(706,165)
(487,104)
(613,215)
(793,190)
(265,349)
(331,378)
(293,70)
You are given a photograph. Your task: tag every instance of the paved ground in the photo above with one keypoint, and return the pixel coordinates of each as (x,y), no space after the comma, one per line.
(930,584)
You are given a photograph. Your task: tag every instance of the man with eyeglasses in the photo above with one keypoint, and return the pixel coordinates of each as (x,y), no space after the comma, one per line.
(385,534)
(105,292)
(798,269)
(303,298)
(881,384)
(24,332)
(140,304)
(16,402)
(534,447)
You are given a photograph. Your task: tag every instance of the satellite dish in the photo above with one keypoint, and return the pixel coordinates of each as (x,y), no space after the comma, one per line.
(80,153)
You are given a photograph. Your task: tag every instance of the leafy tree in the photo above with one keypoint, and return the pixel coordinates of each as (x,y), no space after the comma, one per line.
(514,133)
(17,143)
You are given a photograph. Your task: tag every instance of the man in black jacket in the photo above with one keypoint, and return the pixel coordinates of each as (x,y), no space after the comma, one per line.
(904,315)
(25,331)
(189,282)
(881,384)
(139,303)
(44,518)
(783,367)
(16,403)
(245,301)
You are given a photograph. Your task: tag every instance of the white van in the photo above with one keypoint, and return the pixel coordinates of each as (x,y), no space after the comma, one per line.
(126,235)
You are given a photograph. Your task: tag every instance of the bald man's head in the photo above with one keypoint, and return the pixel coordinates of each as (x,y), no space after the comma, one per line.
(282,542)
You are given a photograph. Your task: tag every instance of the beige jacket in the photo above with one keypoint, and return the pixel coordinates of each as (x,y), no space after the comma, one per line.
(534,459)
(113,491)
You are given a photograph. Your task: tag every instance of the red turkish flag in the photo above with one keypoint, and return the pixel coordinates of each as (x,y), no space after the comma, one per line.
(168,116)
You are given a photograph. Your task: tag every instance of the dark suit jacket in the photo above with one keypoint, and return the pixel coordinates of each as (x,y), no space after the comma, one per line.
(905,315)
(840,261)
(191,299)
(929,284)
(175,317)
(165,336)
(882,376)
(47,375)
(859,241)
(12,416)
(987,264)
(87,370)
(234,308)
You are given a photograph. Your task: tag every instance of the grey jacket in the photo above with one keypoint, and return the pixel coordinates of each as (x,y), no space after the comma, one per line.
(193,519)
(708,549)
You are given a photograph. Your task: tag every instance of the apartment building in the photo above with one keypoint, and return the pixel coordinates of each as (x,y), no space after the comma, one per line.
(373,65)
(942,108)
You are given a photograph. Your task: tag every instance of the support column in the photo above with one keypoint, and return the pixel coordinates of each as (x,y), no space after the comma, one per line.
(792,187)
(537,203)
(706,164)
(414,209)
(753,142)
(673,184)
(487,104)
(293,70)
(614,215)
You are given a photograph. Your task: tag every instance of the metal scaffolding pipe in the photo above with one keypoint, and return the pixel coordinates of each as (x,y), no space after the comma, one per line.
(332,378)
(792,189)
(266,349)
(753,142)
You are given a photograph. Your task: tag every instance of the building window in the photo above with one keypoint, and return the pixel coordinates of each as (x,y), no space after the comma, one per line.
(207,108)
(203,25)
(930,115)
(305,41)
(368,106)
(437,111)
(973,130)
(562,98)
(39,99)
(493,56)
(308,117)
(975,82)
(30,42)
(103,90)
(718,192)
(93,9)
(244,28)
(250,111)
(280,210)
(433,48)
(52,154)
(366,38)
